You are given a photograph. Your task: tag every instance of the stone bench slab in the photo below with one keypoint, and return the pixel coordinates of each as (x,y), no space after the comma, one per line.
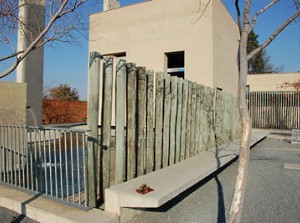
(173,180)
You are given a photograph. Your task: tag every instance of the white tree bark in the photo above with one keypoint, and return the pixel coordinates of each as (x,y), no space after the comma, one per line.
(235,212)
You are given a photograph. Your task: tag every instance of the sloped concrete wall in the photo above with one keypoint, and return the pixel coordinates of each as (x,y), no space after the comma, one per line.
(13,103)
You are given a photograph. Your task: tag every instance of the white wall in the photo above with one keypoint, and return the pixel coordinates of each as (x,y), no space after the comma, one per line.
(13,103)
(146,31)
(271,82)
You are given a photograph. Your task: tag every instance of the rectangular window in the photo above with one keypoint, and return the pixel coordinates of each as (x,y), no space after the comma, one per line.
(175,63)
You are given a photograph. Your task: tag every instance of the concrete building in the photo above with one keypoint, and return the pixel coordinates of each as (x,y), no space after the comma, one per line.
(271,82)
(197,40)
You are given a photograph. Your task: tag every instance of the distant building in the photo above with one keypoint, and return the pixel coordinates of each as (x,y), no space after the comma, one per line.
(196,40)
(271,82)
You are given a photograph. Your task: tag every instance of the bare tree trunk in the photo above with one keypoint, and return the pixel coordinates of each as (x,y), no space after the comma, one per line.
(245,26)
(241,178)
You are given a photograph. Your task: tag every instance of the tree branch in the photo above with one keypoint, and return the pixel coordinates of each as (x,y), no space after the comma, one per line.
(262,11)
(35,42)
(11,56)
(273,36)
(297,4)
(61,11)
(246,22)
(238,15)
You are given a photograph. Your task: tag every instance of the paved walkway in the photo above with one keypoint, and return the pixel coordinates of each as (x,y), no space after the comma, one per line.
(273,193)
(9,216)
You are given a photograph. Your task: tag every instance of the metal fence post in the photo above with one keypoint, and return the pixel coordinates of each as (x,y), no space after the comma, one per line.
(92,121)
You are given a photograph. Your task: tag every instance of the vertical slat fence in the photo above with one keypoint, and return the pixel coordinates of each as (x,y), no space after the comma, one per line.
(167,120)
(275,110)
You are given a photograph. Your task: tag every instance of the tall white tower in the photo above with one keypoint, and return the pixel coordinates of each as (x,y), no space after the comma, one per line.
(110,4)
(30,70)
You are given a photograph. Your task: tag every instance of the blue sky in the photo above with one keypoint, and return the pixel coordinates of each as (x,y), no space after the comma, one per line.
(68,63)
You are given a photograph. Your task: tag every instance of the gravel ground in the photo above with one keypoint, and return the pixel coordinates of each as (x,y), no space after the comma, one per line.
(9,216)
(272,194)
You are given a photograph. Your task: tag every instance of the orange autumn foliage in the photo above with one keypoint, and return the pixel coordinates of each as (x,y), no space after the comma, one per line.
(60,112)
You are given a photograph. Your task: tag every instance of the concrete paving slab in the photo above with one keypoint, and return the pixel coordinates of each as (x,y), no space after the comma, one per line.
(291,166)
(284,149)
(48,211)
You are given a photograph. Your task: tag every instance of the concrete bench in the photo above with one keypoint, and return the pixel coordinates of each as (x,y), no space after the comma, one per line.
(173,180)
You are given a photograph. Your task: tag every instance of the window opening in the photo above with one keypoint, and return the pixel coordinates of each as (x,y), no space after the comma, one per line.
(175,63)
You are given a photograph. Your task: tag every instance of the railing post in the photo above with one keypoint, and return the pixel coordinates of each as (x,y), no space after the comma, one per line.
(92,121)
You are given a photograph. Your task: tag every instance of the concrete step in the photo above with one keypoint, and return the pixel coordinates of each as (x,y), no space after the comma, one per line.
(47,211)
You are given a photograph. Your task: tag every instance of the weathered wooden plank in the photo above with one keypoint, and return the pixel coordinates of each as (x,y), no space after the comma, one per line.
(131,120)
(263,116)
(150,118)
(202,119)
(92,122)
(212,100)
(205,123)
(218,119)
(120,122)
(297,107)
(158,119)
(257,109)
(197,135)
(229,119)
(106,119)
(298,110)
(173,115)
(179,120)
(280,111)
(141,120)
(193,118)
(166,125)
(185,94)
(188,121)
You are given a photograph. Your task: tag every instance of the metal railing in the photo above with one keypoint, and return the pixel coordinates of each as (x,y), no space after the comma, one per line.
(48,161)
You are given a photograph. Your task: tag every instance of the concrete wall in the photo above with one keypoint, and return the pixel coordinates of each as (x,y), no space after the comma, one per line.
(148,30)
(13,103)
(271,82)
(225,48)
(110,4)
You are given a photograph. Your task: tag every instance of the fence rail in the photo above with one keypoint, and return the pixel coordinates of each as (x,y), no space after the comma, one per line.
(275,110)
(45,161)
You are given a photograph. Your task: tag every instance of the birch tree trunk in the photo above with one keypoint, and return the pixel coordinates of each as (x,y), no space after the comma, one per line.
(241,178)
(246,25)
